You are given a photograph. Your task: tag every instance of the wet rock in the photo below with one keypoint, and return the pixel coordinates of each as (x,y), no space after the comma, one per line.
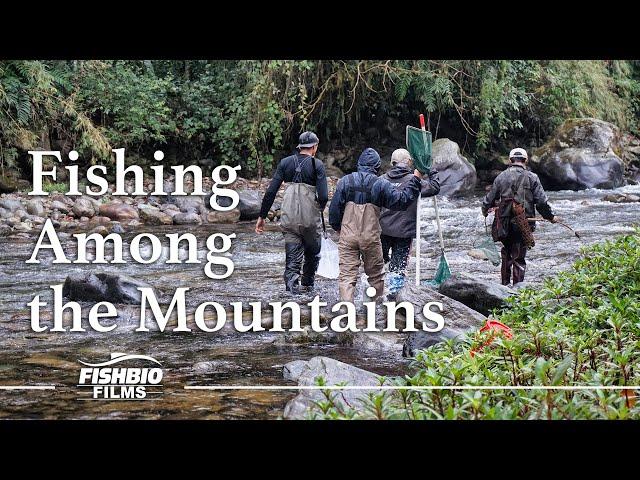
(153,216)
(458,318)
(292,370)
(309,336)
(117,228)
(187,219)
(35,207)
(188,203)
(422,340)
(379,341)
(224,217)
(621,198)
(10,204)
(480,295)
(118,211)
(83,207)
(333,372)
(249,205)
(477,254)
(103,287)
(4,230)
(457,175)
(581,154)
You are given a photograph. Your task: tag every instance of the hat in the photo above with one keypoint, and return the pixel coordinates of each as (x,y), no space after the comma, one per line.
(307,139)
(519,153)
(400,156)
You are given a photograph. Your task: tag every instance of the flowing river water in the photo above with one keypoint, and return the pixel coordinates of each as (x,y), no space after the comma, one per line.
(228,357)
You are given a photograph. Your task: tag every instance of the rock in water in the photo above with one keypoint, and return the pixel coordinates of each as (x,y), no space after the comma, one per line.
(103,287)
(580,155)
(118,211)
(293,370)
(621,198)
(458,318)
(457,175)
(481,295)
(187,219)
(333,372)
(231,216)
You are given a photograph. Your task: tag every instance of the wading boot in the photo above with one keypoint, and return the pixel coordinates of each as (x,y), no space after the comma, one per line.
(309,269)
(294,254)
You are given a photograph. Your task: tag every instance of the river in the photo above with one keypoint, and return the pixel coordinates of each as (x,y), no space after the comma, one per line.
(231,358)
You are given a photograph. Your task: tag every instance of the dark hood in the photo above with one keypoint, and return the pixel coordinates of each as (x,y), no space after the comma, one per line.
(369,161)
(398,171)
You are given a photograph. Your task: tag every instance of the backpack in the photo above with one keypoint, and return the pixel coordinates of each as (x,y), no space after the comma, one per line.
(511,213)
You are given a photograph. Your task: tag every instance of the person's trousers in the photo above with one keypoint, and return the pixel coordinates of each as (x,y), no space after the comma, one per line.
(302,254)
(351,251)
(399,257)
(513,261)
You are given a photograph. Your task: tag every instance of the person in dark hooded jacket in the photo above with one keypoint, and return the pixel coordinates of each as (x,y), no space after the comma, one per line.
(399,227)
(354,213)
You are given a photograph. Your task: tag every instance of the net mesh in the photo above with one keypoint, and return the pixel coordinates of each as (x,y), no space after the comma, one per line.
(419,146)
(487,246)
(442,273)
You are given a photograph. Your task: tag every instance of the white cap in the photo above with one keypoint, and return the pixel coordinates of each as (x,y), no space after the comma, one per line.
(400,156)
(518,153)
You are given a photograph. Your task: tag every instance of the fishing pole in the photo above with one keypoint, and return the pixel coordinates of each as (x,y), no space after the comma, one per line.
(540,219)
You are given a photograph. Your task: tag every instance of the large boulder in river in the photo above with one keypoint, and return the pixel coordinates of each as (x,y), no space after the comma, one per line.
(250,204)
(120,212)
(583,153)
(103,287)
(333,372)
(458,318)
(457,175)
(480,295)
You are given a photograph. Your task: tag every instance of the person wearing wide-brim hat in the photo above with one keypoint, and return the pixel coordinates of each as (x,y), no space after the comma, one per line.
(304,200)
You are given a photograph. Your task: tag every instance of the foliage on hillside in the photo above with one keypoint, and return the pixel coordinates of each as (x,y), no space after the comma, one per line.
(250,111)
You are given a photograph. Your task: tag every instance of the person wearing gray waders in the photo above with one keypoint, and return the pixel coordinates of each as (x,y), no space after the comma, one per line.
(516,189)
(355,212)
(302,206)
(399,227)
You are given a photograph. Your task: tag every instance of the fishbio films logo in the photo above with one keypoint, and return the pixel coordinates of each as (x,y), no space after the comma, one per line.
(111,380)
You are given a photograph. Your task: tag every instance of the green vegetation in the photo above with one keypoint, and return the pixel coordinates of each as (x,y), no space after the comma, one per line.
(249,112)
(581,328)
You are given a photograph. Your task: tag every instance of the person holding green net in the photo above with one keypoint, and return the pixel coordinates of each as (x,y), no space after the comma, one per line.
(399,226)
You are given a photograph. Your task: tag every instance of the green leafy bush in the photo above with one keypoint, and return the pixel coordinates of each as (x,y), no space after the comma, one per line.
(581,328)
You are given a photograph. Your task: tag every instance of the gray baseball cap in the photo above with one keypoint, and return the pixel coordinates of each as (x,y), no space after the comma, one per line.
(307,139)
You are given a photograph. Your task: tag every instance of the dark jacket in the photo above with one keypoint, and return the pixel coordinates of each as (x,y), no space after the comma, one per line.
(535,197)
(402,224)
(286,172)
(364,187)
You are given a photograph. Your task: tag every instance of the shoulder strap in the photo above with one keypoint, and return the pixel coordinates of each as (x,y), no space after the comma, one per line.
(315,171)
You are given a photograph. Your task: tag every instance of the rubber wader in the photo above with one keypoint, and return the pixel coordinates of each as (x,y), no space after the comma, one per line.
(360,237)
(301,225)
